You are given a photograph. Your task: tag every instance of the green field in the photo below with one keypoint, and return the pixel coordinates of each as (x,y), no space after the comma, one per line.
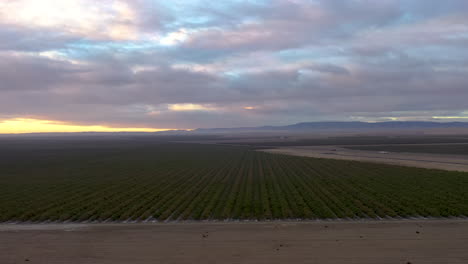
(455,149)
(118,180)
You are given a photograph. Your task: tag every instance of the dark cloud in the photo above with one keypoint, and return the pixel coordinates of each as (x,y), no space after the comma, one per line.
(23,72)
(287,24)
(93,94)
(15,38)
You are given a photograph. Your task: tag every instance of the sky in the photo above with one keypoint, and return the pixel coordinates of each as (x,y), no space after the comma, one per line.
(149,65)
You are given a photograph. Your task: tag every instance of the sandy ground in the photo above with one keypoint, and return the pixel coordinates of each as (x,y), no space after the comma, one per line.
(433,161)
(409,241)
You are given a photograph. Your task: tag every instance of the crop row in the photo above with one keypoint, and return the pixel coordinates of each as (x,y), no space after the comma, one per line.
(195,182)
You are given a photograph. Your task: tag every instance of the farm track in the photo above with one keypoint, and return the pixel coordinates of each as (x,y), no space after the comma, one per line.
(169,182)
(333,242)
(430,160)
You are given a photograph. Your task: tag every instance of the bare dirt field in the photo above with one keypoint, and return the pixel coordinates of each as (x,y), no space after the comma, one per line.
(408,241)
(422,160)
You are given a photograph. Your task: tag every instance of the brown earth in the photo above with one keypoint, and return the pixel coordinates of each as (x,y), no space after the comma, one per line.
(402,241)
(422,160)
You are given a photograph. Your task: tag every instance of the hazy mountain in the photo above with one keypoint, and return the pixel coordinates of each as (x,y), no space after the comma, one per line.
(317,126)
(308,127)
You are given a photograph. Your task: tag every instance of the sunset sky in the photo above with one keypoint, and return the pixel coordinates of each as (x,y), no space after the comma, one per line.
(147,65)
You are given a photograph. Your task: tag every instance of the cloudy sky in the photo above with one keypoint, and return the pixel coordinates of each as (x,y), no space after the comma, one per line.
(182,64)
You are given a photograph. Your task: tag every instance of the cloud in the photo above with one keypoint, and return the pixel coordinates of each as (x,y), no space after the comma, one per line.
(190,107)
(185,64)
(284,24)
(107,19)
(20,72)
(448,30)
(174,38)
(111,93)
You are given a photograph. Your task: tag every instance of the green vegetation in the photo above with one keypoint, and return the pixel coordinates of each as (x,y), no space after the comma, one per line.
(118,180)
(456,149)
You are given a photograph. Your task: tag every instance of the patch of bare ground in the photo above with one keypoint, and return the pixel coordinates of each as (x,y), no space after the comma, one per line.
(406,241)
(421,160)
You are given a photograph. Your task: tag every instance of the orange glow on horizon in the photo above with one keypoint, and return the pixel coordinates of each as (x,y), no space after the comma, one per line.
(27,125)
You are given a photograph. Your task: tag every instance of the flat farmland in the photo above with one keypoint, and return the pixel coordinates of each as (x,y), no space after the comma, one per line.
(149,180)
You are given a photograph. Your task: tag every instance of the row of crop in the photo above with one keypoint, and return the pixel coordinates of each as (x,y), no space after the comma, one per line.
(349,201)
(321,192)
(124,197)
(230,183)
(94,205)
(402,190)
(431,193)
(212,204)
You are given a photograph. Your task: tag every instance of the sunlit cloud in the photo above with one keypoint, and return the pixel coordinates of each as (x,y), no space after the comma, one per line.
(174,38)
(26,125)
(196,68)
(450,117)
(108,19)
(190,107)
(53,55)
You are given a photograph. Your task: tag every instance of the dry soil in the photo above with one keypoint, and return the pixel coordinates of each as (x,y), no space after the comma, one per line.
(359,242)
(422,160)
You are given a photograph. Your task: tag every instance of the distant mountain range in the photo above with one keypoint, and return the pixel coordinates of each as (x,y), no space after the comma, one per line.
(316,126)
(308,127)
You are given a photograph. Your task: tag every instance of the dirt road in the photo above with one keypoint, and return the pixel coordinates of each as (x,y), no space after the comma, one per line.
(422,160)
(409,241)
